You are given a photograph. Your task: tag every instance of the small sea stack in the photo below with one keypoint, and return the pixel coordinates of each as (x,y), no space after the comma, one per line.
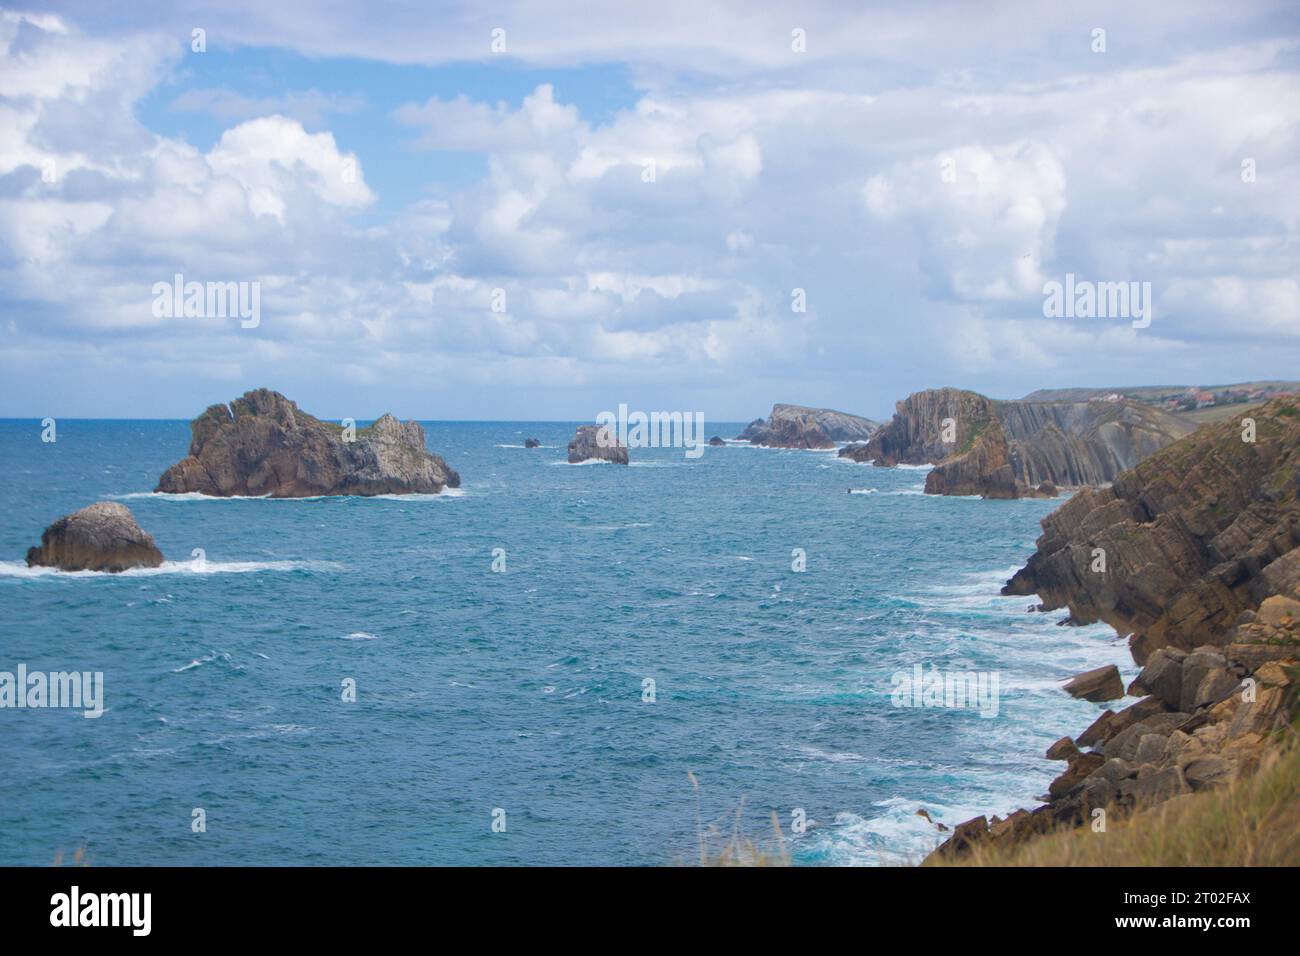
(596,443)
(100,537)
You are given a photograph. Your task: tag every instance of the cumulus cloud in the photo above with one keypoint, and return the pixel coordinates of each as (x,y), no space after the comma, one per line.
(920,207)
(989,217)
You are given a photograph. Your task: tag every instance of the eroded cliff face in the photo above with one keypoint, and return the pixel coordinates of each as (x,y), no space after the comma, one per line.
(1084,443)
(1185,538)
(984,469)
(797,426)
(1012,449)
(915,435)
(263,444)
(1195,553)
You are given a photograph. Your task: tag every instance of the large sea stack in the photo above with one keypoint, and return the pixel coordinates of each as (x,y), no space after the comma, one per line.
(1195,554)
(797,426)
(1014,449)
(263,445)
(101,537)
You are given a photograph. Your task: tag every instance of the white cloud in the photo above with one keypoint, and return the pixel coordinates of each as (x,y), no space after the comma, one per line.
(771,173)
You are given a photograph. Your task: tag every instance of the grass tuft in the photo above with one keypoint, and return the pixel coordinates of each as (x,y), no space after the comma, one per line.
(1254,821)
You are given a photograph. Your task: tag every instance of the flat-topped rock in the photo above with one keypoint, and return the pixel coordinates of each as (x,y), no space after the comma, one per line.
(101,537)
(1097,685)
(798,426)
(263,445)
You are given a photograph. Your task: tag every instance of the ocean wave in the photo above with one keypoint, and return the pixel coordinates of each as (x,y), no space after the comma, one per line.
(360,636)
(895,835)
(17,569)
(220,657)
(898,492)
(199,496)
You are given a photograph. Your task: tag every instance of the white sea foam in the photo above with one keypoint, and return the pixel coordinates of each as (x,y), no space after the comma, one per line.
(17,569)
(200,661)
(894,835)
(199,496)
(899,492)
(360,636)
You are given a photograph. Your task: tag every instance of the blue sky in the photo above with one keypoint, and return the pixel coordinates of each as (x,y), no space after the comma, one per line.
(620,205)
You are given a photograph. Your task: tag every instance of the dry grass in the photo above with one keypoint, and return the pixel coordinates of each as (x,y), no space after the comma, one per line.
(79,858)
(1255,821)
(723,847)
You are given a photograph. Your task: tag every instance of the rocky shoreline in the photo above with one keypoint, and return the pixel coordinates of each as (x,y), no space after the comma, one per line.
(1016,449)
(1194,555)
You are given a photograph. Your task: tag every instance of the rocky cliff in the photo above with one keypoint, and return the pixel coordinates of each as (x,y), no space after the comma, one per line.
(797,426)
(1195,554)
(1185,538)
(263,444)
(1012,449)
(101,537)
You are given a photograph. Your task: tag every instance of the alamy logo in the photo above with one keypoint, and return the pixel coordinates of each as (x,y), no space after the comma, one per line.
(76,690)
(958,690)
(1081,299)
(208,300)
(653,430)
(103,909)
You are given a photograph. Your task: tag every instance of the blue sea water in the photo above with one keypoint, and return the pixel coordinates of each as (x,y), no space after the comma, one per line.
(521,690)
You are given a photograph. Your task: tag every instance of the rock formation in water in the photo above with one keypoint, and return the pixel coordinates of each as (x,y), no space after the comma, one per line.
(532,443)
(263,444)
(998,449)
(101,537)
(596,442)
(796,426)
(716,442)
(1195,554)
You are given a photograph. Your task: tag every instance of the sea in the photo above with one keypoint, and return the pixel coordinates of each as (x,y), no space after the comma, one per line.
(554,664)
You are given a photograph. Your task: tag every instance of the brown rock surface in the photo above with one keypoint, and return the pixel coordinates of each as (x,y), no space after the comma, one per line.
(100,537)
(262,444)
(1188,536)
(1203,569)
(1017,449)
(1097,685)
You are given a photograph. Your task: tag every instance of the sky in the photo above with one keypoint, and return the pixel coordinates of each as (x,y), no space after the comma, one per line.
(540,211)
